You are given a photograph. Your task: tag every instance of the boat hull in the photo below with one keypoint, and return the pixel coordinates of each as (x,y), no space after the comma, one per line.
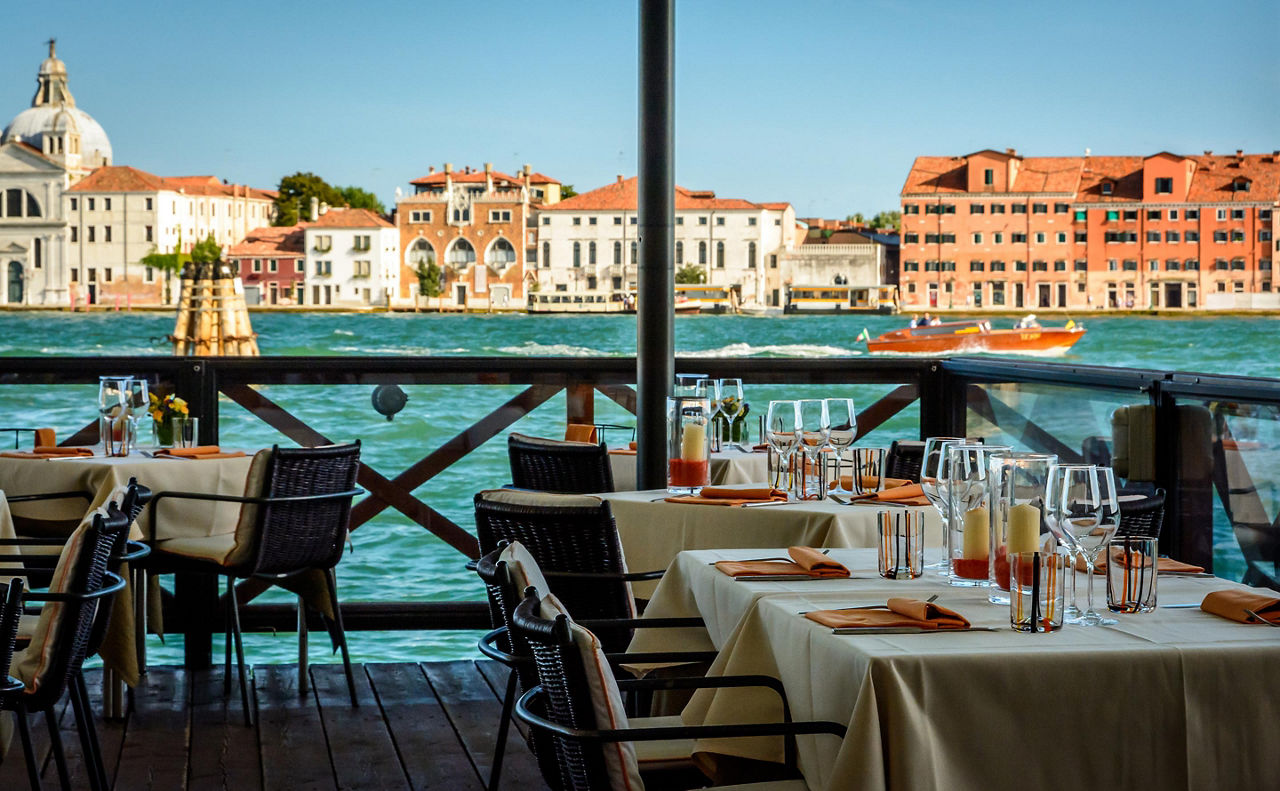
(1041,339)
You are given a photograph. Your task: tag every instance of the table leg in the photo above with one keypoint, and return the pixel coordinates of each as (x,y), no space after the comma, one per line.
(197,599)
(140,582)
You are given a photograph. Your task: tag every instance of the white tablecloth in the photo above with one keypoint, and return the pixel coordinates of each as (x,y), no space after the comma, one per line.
(1173,699)
(727,467)
(653,532)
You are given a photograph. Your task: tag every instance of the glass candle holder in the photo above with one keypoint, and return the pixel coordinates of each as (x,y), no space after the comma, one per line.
(1037,590)
(1020,483)
(116,433)
(901,547)
(185,431)
(969,491)
(867,472)
(688,444)
(1131,574)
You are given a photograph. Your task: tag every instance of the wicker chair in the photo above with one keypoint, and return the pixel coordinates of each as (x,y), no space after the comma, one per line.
(293,519)
(571,693)
(549,465)
(507,572)
(52,660)
(904,460)
(1142,518)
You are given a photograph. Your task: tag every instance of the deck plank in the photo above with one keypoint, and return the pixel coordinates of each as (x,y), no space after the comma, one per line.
(495,675)
(13,770)
(423,735)
(224,752)
(295,755)
(474,711)
(154,755)
(363,754)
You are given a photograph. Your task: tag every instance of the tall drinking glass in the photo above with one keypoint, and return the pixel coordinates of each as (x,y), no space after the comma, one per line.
(1085,514)
(970,491)
(782,430)
(815,430)
(1018,513)
(1057,481)
(843,431)
(710,390)
(113,393)
(731,406)
(932,481)
(138,407)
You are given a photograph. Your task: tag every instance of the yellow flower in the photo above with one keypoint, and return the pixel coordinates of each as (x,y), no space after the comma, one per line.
(180,405)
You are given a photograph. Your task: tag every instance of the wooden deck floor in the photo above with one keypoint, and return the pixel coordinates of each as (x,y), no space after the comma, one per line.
(418,726)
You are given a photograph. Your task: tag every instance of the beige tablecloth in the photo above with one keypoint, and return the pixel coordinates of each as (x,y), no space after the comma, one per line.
(653,532)
(727,467)
(1171,700)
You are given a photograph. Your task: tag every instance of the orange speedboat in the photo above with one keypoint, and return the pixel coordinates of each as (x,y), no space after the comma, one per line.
(977,336)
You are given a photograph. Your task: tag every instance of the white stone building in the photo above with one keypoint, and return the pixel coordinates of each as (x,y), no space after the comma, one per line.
(589,242)
(352,258)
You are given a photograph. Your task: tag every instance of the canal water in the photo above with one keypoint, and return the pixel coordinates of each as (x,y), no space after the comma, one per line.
(395,560)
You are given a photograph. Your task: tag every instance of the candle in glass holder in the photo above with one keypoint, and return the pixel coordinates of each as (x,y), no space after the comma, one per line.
(693,442)
(1023,533)
(975,546)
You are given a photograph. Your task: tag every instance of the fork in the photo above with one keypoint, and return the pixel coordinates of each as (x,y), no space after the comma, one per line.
(758,560)
(929,600)
(1264,620)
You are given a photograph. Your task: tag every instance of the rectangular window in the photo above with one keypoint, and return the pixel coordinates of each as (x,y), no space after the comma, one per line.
(702,221)
(932,238)
(1236,236)
(618,220)
(997,238)
(1112,216)
(911,238)
(91,233)
(1237,214)
(1081,265)
(719,221)
(988,177)
(546,220)
(1039,208)
(1107,187)
(997,266)
(73,204)
(273,265)
(1112,264)
(504,215)
(976,266)
(91,204)
(1153,265)
(257,264)
(1153,214)
(1081,215)
(148,275)
(1264,236)
(1264,214)
(106,275)
(1220,236)
(1130,214)
(590,221)
(1019,238)
(1019,266)
(1061,237)
(977,208)
(1061,208)
(150,233)
(1040,237)
(977,238)
(298,265)
(361,268)
(106,233)
(751,221)
(1192,265)
(1171,236)
(948,238)
(1171,265)
(1039,266)
(1082,237)
(106,204)
(1059,266)
(1191,236)
(911,266)
(997,208)
(679,220)
(1221,214)
(1164,186)
(931,266)
(1153,236)
(1173,214)
(1191,214)
(577,221)
(1018,208)
(1264,265)
(1237,263)
(910,208)
(1130,265)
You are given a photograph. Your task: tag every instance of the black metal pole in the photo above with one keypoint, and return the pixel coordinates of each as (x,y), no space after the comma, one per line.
(655,293)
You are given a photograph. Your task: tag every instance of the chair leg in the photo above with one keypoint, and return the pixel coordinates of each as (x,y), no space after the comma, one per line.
(331,580)
(140,582)
(235,627)
(28,751)
(228,618)
(500,748)
(59,755)
(89,745)
(304,649)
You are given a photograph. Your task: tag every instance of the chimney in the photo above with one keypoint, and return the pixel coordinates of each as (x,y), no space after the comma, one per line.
(1013,152)
(448,177)
(431,169)
(619,178)
(1239,153)
(1208,152)
(488,178)
(315,208)
(524,172)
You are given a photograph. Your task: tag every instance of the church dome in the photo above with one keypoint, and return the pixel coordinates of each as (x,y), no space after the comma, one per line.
(53,112)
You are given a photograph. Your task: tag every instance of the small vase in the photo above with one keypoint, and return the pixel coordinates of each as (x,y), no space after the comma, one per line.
(162,430)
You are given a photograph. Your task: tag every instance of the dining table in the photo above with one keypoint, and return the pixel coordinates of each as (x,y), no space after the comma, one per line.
(654,531)
(728,466)
(1176,698)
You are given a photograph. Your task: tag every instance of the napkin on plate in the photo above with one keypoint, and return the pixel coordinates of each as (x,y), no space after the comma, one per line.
(1164,566)
(900,612)
(911,494)
(630,450)
(1233,603)
(199,452)
(719,495)
(804,560)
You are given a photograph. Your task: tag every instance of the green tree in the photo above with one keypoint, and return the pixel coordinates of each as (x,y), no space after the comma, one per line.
(206,251)
(296,192)
(691,274)
(358,198)
(856,218)
(886,220)
(169,263)
(428,279)
(567,191)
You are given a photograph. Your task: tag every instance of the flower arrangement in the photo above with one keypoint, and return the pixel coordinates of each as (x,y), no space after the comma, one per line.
(162,409)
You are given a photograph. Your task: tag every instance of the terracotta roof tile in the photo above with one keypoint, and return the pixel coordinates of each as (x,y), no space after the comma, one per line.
(272,241)
(474,177)
(350,218)
(1215,174)
(538,178)
(1123,173)
(622,196)
(122,178)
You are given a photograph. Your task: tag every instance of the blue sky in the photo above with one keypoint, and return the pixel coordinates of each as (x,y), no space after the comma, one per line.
(823,104)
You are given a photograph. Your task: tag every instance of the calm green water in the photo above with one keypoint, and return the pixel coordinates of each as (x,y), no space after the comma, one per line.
(394,559)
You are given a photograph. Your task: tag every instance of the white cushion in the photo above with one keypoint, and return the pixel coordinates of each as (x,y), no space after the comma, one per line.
(524,569)
(217,549)
(553,443)
(664,753)
(248,523)
(619,757)
(528,497)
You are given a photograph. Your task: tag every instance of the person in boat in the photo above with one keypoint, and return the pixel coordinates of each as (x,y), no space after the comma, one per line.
(931,321)
(1027,322)
(915,321)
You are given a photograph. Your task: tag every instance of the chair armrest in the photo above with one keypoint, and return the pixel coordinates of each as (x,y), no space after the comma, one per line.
(112,583)
(471,564)
(641,623)
(619,576)
(486,646)
(232,498)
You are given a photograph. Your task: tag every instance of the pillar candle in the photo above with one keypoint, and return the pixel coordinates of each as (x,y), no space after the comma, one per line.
(1023,531)
(693,442)
(976,531)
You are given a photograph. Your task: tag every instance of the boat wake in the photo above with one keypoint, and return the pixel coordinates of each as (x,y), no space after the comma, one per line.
(534,349)
(775,350)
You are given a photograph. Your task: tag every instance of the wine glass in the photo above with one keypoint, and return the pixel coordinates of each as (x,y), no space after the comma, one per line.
(731,406)
(782,429)
(112,403)
(1057,481)
(843,431)
(710,390)
(1086,504)
(137,406)
(815,430)
(933,482)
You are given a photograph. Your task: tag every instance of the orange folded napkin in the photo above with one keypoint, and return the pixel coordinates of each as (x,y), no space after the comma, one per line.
(718,495)
(900,612)
(804,560)
(871,481)
(199,452)
(622,451)
(1163,565)
(45,437)
(48,452)
(911,494)
(580,432)
(1233,603)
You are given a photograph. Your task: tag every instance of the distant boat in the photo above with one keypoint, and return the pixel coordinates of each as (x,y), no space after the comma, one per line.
(842,299)
(976,336)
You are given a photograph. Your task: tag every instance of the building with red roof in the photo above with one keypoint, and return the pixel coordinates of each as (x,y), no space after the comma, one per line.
(272,264)
(997,230)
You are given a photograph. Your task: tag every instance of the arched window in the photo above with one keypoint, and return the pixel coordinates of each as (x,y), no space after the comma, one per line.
(679,253)
(702,252)
(617,253)
(461,254)
(421,253)
(751,255)
(591,252)
(635,252)
(501,253)
(33,208)
(719,255)
(577,254)
(546,255)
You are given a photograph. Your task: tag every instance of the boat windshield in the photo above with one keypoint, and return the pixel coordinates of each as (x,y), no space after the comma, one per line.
(950,328)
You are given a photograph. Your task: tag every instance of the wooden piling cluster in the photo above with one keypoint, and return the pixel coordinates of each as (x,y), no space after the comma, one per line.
(212,317)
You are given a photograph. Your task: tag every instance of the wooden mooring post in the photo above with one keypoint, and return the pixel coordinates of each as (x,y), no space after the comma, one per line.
(212,317)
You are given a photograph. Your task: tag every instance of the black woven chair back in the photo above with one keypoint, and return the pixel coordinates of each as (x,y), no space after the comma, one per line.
(575,539)
(71,635)
(10,615)
(1142,518)
(548,465)
(566,698)
(308,534)
(904,460)
(136,497)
